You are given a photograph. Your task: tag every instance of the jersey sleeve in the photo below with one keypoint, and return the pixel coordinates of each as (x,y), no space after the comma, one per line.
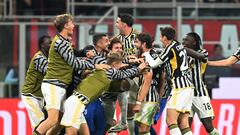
(40,64)
(205,53)
(237,53)
(63,48)
(115,74)
(167,54)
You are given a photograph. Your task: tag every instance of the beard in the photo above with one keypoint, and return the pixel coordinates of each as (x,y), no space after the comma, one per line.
(70,34)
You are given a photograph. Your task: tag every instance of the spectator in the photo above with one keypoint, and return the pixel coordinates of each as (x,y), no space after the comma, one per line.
(11,81)
(217,53)
(12,75)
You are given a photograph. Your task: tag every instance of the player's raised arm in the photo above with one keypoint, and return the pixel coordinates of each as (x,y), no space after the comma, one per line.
(226,62)
(223,63)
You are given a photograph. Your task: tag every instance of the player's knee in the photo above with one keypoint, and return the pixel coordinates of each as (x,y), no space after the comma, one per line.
(71,131)
(171,120)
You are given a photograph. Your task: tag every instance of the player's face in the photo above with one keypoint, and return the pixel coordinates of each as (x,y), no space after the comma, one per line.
(69,27)
(138,43)
(91,53)
(46,44)
(117,47)
(103,43)
(189,42)
(120,25)
(163,40)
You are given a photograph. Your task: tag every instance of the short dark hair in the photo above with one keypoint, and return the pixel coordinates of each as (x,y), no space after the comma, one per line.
(169,32)
(97,37)
(87,48)
(126,18)
(145,37)
(83,52)
(41,40)
(114,41)
(217,46)
(61,20)
(197,38)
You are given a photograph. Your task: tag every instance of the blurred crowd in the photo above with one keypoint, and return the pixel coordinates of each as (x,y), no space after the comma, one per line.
(53,7)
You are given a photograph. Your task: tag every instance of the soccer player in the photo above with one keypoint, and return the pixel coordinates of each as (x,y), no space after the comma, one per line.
(180,99)
(127,99)
(86,92)
(201,100)
(100,42)
(31,92)
(61,63)
(94,112)
(148,96)
(226,62)
(109,98)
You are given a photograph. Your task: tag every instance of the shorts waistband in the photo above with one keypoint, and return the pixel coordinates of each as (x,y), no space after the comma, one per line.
(84,99)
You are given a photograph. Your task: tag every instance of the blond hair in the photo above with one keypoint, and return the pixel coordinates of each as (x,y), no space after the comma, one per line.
(114,57)
(61,20)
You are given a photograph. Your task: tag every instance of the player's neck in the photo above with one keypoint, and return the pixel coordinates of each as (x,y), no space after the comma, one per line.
(98,49)
(64,34)
(146,50)
(127,31)
(167,43)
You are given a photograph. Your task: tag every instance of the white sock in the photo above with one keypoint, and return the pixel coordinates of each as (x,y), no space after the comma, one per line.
(188,133)
(214,132)
(175,131)
(131,125)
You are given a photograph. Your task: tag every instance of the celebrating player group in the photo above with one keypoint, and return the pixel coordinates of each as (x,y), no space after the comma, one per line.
(69,91)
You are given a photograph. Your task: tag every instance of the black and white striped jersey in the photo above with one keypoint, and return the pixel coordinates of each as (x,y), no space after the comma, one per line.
(153,93)
(198,69)
(40,63)
(61,62)
(237,53)
(116,74)
(99,58)
(128,43)
(35,73)
(176,61)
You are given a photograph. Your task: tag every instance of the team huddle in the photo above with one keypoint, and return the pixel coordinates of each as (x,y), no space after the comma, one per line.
(77,90)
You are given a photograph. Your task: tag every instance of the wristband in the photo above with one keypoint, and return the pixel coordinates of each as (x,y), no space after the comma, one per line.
(138,102)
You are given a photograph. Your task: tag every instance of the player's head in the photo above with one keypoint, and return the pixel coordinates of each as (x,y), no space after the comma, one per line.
(101,41)
(124,21)
(114,59)
(218,50)
(167,34)
(44,43)
(144,40)
(115,46)
(89,51)
(64,22)
(192,40)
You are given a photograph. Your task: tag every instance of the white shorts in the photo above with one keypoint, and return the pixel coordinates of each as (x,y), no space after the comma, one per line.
(34,106)
(145,116)
(73,113)
(54,96)
(202,106)
(133,90)
(180,99)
